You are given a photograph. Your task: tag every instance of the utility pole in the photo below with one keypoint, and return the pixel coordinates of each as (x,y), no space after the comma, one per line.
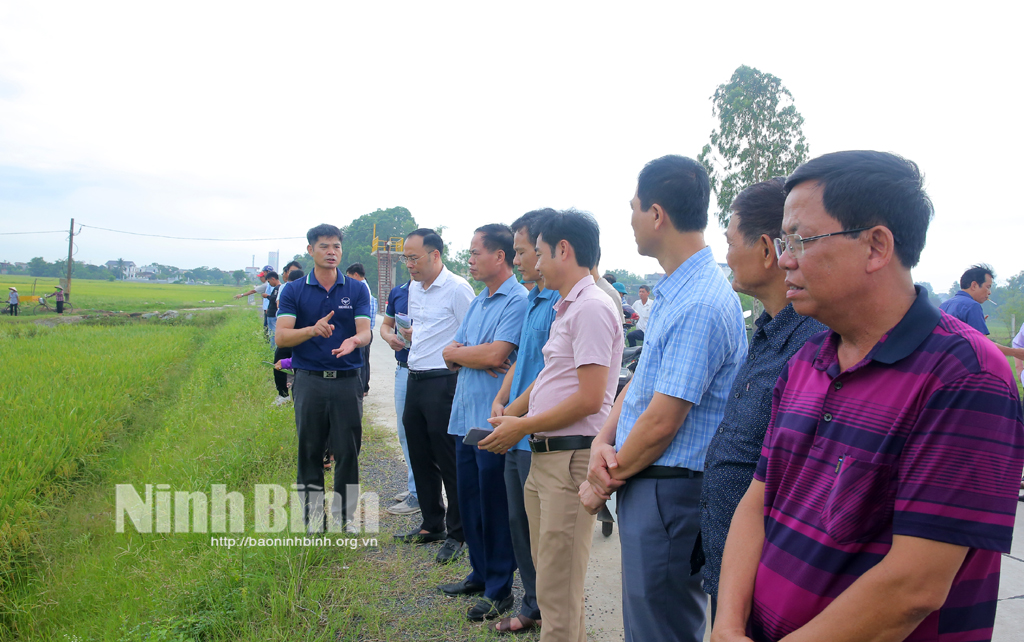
(71,246)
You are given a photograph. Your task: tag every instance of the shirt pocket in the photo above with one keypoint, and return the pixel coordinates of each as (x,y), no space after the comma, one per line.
(858,506)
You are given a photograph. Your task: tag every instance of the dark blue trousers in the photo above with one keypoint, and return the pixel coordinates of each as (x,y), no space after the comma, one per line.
(483,506)
(658,524)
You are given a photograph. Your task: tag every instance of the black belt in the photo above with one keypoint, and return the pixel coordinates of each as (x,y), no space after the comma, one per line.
(403,364)
(331,374)
(667,472)
(419,375)
(554,444)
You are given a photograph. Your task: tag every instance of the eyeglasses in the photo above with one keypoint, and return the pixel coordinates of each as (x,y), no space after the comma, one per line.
(411,259)
(794,243)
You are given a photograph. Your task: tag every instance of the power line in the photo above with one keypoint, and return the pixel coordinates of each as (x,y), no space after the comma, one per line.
(46,232)
(188,238)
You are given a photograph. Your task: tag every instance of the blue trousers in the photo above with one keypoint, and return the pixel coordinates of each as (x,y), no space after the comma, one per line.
(483,506)
(517,469)
(658,524)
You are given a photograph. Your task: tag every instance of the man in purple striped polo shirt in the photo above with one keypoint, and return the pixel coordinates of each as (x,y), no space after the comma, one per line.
(887,485)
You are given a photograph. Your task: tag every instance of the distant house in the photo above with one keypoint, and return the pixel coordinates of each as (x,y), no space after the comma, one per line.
(146,275)
(20,266)
(129,268)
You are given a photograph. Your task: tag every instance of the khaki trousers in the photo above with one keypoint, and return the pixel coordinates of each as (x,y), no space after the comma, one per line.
(561,532)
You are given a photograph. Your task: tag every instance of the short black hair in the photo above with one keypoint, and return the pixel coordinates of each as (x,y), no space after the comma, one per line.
(531,221)
(325,230)
(498,236)
(680,186)
(760,209)
(295,275)
(609,277)
(976,274)
(356,268)
(644,287)
(431,239)
(866,188)
(577,228)
(292,264)
(272,275)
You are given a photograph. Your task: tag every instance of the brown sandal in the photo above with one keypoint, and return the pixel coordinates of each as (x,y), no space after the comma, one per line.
(505,625)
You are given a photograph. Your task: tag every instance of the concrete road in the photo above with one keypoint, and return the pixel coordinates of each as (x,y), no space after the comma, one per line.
(603,588)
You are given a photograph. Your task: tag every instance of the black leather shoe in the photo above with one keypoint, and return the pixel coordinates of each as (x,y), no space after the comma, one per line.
(416,537)
(465,587)
(451,550)
(488,609)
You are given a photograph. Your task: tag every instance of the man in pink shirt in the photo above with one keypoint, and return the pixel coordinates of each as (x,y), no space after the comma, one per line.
(567,404)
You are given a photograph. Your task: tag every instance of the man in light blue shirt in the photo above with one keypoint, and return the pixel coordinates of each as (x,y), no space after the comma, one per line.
(529,362)
(652,447)
(483,348)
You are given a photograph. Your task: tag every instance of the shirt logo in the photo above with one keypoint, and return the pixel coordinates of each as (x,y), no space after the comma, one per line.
(346,303)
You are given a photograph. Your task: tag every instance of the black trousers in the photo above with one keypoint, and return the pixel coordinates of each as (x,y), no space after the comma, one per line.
(14,309)
(60,307)
(280,377)
(328,415)
(364,372)
(428,407)
(634,336)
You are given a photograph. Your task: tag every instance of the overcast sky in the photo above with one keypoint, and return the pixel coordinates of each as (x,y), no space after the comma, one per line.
(251,120)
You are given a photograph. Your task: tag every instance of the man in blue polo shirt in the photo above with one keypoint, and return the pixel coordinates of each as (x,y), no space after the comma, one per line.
(653,443)
(529,362)
(398,303)
(485,341)
(975,289)
(325,319)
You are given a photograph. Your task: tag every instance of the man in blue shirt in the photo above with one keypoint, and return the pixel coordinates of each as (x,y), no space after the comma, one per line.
(529,362)
(485,341)
(398,303)
(975,289)
(653,444)
(325,319)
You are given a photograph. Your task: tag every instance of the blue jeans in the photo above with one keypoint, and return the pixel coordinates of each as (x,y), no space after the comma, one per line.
(401,385)
(272,327)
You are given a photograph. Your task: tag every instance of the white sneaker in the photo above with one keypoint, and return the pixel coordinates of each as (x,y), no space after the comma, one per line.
(400,497)
(280,401)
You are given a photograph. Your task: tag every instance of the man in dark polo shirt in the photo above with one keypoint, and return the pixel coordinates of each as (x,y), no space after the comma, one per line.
(325,319)
(887,485)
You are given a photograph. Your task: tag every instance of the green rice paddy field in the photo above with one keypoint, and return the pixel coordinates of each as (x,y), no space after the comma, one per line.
(127,296)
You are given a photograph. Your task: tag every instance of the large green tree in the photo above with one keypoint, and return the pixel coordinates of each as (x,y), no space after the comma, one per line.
(358,245)
(760,135)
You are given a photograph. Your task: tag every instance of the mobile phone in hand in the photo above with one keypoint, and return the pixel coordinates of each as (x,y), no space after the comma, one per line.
(475,436)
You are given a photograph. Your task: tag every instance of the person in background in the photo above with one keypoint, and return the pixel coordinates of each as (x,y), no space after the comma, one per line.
(779,333)
(357,272)
(280,378)
(529,362)
(325,319)
(607,287)
(398,303)
(1018,342)
(438,301)
(260,290)
(653,444)
(975,289)
(271,296)
(887,485)
(483,349)
(567,405)
(642,306)
(58,298)
(12,301)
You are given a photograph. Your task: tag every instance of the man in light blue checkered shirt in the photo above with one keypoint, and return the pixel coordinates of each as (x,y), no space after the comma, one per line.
(651,449)
(356,271)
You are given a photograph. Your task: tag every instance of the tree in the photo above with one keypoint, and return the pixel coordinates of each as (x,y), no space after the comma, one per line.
(358,245)
(932,297)
(760,135)
(120,269)
(38,267)
(1016,283)
(238,276)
